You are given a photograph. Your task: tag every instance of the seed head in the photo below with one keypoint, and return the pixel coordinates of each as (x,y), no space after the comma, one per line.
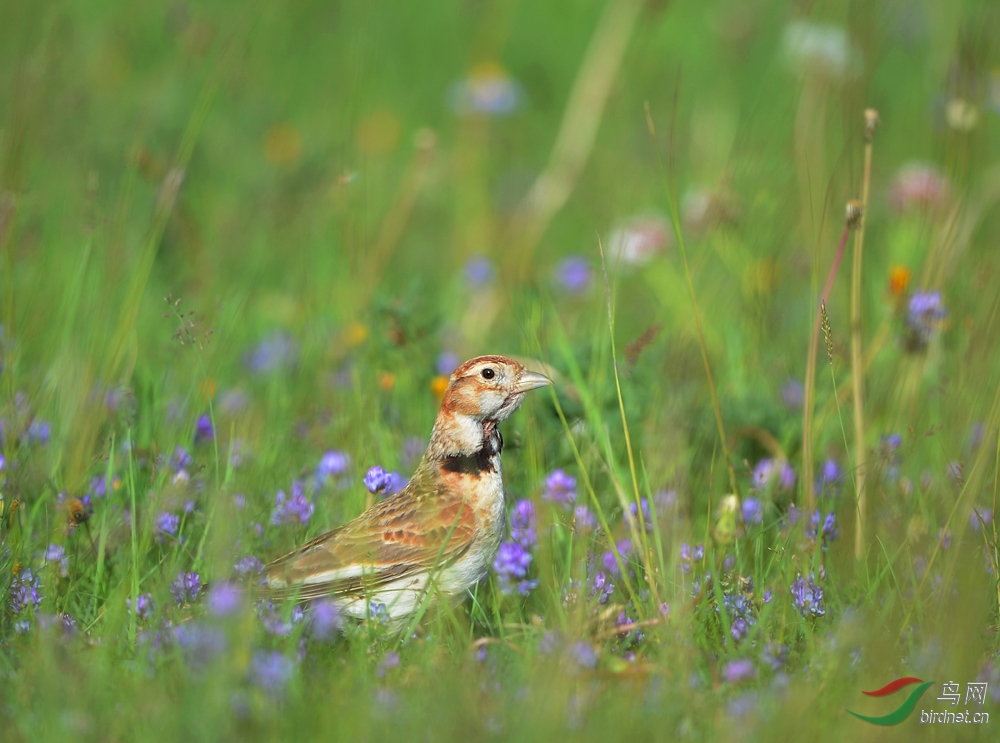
(853,213)
(871,122)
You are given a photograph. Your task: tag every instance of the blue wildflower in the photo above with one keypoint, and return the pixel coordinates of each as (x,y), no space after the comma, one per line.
(167,525)
(602,587)
(287,510)
(479,272)
(24,591)
(271,671)
(39,432)
(522,524)
(276,351)
(584,518)
(185,588)
(807,597)
(248,565)
(323,619)
(224,599)
(775,655)
(924,316)
(573,274)
(647,516)
(560,488)
(736,671)
(380,482)
(753,510)
(203,430)
(144,606)
(511,565)
(378,612)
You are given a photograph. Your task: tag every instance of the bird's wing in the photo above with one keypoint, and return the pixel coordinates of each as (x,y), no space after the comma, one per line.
(424,526)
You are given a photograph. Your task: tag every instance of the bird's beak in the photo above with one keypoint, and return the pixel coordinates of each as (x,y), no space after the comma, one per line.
(530,380)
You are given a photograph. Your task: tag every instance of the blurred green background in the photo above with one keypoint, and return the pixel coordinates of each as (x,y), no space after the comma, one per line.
(349,199)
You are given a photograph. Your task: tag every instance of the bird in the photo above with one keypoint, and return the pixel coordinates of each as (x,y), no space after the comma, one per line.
(438,536)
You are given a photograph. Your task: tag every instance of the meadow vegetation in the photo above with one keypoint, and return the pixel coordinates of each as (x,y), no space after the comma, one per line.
(242,248)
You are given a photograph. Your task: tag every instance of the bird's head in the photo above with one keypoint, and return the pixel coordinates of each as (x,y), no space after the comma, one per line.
(490,388)
(486,389)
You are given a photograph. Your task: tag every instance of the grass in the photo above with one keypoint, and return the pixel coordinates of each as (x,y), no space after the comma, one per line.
(298,184)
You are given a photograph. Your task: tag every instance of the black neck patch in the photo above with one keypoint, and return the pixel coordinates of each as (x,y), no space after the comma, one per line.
(481,461)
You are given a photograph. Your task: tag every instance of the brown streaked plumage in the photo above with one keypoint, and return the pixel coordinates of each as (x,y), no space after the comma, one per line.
(443,528)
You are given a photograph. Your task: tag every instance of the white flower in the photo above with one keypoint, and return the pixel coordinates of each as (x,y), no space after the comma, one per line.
(488,89)
(822,48)
(638,240)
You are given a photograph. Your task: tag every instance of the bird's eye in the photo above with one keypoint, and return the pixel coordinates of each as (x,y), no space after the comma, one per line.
(488,373)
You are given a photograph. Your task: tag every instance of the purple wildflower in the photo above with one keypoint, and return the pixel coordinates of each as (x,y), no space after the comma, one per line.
(199,643)
(224,599)
(479,272)
(775,656)
(560,488)
(271,671)
(323,619)
(573,274)
(647,517)
(39,432)
(203,430)
(980,516)
(522,524)
(739,629)
(275,623)
(167,525)
(584,654)
(753,510)
(332,464)
(274,352)
(807,597)
(378,612)
(376,479)
(793,394)
(736,671)
(287,510)
(144,606)
(248,565)
(689,556)
(584,518)
(769,472)
(389,661)
(829,476)
(185,588)
(24,591)
(511,565)
(447,362)
(602,587)
(610,562)
(924,316)
(180,460)
(665,500)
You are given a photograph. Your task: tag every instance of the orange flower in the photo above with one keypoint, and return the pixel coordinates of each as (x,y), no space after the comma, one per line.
(438,385)
(386,380)
(899,279)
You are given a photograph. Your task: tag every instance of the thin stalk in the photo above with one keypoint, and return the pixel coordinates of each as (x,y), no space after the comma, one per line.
(857,363)
(808,488)
(676,222)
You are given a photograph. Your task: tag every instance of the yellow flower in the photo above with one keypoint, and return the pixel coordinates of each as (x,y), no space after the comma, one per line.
(282,144)
(438,385)
(355,334)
